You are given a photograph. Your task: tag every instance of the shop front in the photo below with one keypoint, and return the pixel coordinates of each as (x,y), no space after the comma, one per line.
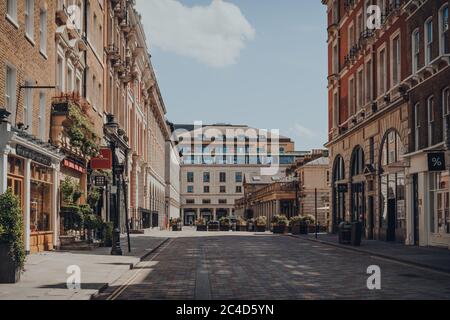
(31,170)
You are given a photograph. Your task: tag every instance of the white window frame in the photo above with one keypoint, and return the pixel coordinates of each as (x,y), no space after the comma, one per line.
(359,88)
(42,115)
(428,40)
(11,90)
(43,20)
(70,78)
(430,118)
(11,12)
(28,106)
(382,80)
(335,109)
(441,28)
(368,76)
(396,60)
(60,72)
(29,20)
(335,58)
(416,126)
(415,43)
(350,36)
(351,96)
(445,110)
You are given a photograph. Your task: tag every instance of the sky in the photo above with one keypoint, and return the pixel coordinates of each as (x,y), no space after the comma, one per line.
(262,63)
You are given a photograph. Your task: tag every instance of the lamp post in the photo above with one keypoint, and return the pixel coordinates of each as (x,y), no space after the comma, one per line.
(111,128)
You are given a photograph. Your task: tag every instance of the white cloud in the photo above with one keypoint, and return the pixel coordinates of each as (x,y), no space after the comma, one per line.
(213,34)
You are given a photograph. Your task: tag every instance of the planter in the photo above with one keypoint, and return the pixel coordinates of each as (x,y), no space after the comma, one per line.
(67,240)
(251,228)
(176,228)
(213,227)
(9,271)
(302,228)
(260,228)
(202,228)
(280,229)
(224,228)
(241,228)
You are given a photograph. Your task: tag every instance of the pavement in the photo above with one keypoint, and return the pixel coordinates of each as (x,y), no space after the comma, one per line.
(46,274)
(434,258)
(247,266)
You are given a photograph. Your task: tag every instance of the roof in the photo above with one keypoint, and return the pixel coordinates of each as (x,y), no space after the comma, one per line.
(318,162)
(253,178)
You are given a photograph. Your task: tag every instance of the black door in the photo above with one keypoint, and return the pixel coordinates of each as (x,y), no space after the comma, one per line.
(155,220)
(370,221)
(392,207)
(416,209)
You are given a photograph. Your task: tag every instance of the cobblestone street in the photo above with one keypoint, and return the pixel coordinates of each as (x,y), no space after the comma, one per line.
(260,267)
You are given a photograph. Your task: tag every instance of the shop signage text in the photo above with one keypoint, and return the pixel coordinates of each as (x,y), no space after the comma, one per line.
(22,151)
(72,165)
(103,161)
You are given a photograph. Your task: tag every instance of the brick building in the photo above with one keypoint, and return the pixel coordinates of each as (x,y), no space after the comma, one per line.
(428,84)
(368,117)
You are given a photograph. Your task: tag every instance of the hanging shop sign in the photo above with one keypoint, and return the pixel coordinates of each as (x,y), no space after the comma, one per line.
(100,181)
(22,151)
(436,161)
(103,161)
(74,166)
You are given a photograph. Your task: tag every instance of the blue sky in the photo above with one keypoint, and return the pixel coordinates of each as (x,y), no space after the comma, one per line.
(256,62)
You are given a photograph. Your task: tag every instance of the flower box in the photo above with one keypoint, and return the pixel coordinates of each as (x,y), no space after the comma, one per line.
(260,228)
(9,270)
(280,229)
(202,228)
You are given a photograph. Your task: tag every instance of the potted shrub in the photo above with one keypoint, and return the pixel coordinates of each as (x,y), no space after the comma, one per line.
(261,223)
(12,251)
(310,221)
(241,224)
(280,224)
(225,224)
(201,225)
(298,225)
(107,232)
(176,224)
(213,226)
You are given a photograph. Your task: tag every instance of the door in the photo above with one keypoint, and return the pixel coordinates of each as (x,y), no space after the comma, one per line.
(370,216)
(358,203)
(416,209)
(391,219)
(155,220)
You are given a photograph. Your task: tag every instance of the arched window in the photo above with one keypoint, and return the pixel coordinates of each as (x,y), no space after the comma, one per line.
(339,169)
(443,30)
(357,162)
(392,148)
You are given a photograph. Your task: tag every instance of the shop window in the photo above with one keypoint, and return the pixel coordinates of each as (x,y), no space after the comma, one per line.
(358,162)
(40,198)
(439,202)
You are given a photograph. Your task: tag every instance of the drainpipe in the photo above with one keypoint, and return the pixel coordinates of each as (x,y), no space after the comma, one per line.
(84,36)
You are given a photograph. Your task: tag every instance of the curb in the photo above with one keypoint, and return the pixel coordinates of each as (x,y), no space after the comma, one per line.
(379,255)
(132,266)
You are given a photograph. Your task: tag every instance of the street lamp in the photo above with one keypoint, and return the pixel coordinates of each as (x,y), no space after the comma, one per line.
(111,128)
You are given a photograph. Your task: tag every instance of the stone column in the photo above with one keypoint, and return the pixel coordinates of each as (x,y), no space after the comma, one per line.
(214,217)
(3,171)
(26,206)
(55,206)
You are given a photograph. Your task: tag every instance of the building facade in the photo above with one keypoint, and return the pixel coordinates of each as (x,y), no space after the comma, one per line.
(428,83)
(215,160)
(173,183)
(368,117)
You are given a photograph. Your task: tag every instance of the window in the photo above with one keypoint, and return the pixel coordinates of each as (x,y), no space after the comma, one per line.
(60,74)
(396,61)
(206,189)
(430,108)
(335,11)
(42,116)
(190,189)
(443,27)
(368,90)
(223,189)
(223,201)
(28,107)
(238,177)
(190,201)
(335,110)
(358,162)
(70,79)
(10,92)
(351,97)
(382,72)
(439,203)
(206,201)
(335,59)
(351,37)
(416,126)
(428,41)
(238,189)
(415,50)
(12,10)
(223,177)
(190,177)
(43,31)
(360,89)
(206,177)
(445,111)
(29,19)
